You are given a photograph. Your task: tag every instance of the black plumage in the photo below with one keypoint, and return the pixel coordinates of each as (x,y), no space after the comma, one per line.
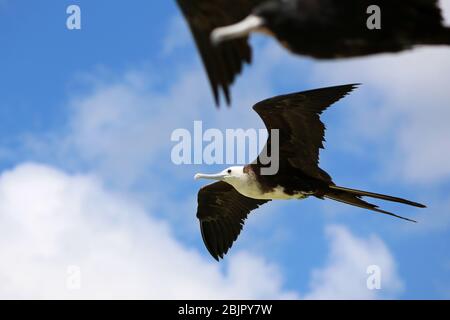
(222,212)
(222,63)
(321,29)
(328,29)
(223,207)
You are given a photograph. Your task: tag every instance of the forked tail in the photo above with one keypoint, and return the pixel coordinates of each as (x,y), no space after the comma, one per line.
(353,197)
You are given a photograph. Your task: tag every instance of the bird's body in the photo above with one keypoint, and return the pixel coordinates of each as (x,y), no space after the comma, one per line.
(252,186)
(224,205)
(328,29)
(321,29)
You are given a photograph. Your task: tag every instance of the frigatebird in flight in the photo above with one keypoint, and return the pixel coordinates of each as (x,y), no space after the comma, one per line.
(224,205)
(321,29)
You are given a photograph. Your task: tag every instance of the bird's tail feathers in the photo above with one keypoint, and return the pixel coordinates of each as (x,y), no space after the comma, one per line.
(353,197)
(361,193)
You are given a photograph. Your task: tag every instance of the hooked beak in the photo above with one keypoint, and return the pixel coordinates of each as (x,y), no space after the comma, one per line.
(217,177)
(238,30)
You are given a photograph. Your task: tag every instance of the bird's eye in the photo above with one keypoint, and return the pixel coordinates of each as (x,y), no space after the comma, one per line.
(229,171)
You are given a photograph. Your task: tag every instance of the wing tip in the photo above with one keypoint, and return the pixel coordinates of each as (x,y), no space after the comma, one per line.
(216,258)
(213,248)
(349,87)
(218,97)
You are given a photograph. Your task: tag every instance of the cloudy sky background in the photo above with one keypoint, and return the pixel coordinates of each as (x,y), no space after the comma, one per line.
(86,178)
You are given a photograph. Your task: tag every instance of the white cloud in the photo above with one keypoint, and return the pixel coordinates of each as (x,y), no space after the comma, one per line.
(127,122)
(445,5)
(50,220)
(345,274)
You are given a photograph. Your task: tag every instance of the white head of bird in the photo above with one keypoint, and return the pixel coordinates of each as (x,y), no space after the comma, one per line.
(244,182)
(231,175)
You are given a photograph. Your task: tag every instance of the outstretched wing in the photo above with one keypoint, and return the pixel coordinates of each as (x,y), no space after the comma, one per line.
(224,62)
(301,133)
(222,212)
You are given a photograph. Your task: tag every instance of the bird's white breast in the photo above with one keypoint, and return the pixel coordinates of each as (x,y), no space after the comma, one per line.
(279,194)
(251,189)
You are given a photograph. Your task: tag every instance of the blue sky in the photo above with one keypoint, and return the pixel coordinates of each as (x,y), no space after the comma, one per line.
(86,177)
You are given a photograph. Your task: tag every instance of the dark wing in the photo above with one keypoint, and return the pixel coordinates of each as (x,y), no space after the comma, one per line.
(301,133)
(222,212)
(224,62)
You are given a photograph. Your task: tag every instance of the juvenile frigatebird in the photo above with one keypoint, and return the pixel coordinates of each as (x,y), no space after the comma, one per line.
(224,205)
(322,29)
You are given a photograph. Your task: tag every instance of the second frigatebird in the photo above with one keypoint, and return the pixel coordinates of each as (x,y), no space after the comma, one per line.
(224,205)
(321,29)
